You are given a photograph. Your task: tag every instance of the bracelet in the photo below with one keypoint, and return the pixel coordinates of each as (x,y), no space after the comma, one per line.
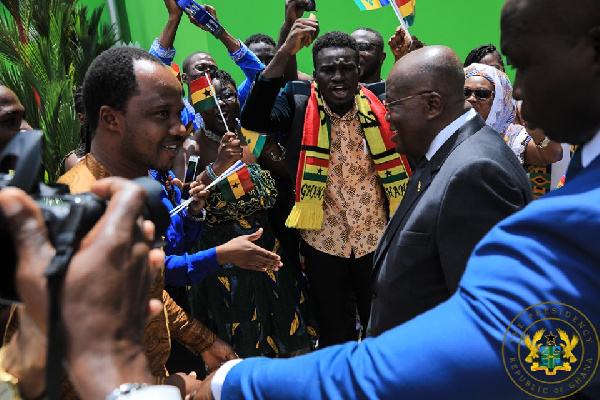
(125,389)
(197,219)
(211,172)
(278,158)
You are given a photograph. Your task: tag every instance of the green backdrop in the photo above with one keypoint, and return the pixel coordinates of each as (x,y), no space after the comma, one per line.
(461,25)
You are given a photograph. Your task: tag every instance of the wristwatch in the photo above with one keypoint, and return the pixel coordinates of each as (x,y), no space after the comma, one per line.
(543,144)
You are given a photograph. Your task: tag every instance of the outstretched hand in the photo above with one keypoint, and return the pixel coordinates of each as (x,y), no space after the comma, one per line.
(218,354)
(242,253)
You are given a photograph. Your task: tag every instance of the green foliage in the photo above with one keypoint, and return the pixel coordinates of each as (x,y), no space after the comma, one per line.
(45,48)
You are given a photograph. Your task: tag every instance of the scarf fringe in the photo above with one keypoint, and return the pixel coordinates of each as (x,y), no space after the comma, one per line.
(305,216)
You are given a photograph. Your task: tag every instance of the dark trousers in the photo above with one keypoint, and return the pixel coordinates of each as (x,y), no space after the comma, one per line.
(338,285)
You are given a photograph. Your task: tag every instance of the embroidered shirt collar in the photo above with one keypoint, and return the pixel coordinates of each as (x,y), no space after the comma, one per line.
(349,116)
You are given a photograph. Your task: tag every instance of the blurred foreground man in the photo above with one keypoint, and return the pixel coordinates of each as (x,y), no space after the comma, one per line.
(524,320)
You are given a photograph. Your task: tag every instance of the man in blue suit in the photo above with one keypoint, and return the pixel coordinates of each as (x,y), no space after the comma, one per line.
(524,320)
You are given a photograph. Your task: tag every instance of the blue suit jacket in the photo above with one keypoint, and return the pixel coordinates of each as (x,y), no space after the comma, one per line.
(548,252)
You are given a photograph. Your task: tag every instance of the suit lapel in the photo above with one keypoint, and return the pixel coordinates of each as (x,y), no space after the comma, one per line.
(419,182)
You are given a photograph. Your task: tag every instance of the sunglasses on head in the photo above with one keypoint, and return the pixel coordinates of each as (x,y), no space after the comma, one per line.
(480,94)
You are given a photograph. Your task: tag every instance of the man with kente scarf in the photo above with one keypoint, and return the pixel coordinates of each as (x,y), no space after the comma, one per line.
(347,175)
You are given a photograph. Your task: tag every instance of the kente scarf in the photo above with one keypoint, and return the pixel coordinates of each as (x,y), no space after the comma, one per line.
(311,178)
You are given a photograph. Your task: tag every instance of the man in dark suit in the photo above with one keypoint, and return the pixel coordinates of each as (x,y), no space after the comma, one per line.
(466,181)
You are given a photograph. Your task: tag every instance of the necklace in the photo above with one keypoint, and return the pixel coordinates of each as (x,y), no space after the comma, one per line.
(212,136)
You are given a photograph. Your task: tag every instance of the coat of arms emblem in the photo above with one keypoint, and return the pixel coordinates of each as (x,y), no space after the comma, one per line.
(552,357)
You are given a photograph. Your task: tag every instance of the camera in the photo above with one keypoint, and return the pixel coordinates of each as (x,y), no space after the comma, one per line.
(20,163)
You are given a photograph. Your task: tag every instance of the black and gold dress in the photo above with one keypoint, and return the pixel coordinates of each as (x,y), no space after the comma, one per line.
(258,313)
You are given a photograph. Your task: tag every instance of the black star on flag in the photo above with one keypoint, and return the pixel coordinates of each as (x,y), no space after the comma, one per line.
(207,93)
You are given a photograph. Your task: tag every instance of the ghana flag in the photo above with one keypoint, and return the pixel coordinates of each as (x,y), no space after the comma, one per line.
(366,5)
(176,71)
(236,185)
(407,9)
(254,140)
(201,95)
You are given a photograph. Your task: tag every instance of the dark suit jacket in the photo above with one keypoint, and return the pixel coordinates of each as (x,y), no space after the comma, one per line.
(472,182)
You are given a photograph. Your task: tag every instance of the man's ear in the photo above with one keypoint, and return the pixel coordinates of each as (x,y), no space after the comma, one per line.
(110,119)
(435,106)
(184,78)
(382,56)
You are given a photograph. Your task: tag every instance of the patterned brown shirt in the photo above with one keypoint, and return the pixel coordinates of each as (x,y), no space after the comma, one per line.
(354,205)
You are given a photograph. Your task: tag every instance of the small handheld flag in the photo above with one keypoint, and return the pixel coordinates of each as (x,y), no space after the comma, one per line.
(236,185)
(254,140)
(407,11)
(201,94)
(366,5)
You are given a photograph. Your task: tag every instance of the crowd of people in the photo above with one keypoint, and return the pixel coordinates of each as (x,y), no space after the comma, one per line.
(377,241)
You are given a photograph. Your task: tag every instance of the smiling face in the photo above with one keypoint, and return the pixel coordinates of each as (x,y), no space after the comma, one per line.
(408,118)
(336,73)
(230,105)
(556,69)
(152,132)
(476,85)
(11,115)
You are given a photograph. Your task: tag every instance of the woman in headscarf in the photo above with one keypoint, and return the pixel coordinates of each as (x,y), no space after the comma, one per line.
(490,92)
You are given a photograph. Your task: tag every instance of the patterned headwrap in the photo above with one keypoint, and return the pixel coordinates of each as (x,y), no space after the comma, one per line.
(503,110)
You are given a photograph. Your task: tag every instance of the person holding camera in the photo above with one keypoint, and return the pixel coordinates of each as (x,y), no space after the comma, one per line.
(104,321)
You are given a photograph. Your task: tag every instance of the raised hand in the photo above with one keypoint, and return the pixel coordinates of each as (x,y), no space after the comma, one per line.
(242,253)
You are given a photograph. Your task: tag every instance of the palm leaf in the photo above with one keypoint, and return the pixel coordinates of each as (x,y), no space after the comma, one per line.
(45,48)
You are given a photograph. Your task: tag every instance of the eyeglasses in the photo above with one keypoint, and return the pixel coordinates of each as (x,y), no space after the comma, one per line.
(480,94)
(226,96)
(389,104)
(368,47)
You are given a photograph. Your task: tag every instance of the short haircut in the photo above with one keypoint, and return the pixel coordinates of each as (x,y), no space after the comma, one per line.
(336,39)
(188,60)
(478,53)
(223,76)
(110,80)
(376,33)
(260,38)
